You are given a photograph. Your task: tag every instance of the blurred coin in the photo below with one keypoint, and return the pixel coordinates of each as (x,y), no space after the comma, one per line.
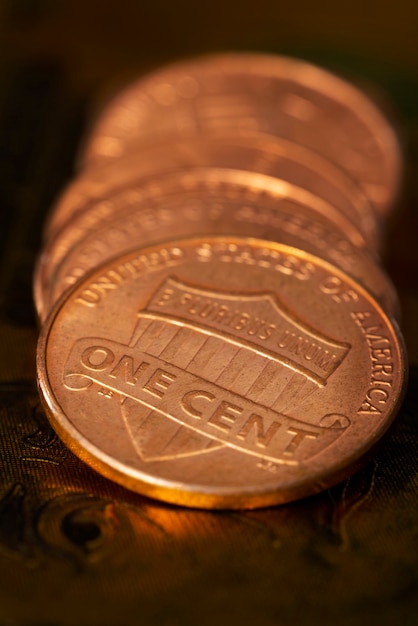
(257,153)
(257,93)
(231,203)
(149,201)
(220,372)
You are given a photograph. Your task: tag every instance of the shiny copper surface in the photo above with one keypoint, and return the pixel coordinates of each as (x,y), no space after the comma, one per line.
(158,190)
(220,372)
(198,203)
(260,153)
(257,93)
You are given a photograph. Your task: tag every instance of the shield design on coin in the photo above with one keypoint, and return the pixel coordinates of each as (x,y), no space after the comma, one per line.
(247,345)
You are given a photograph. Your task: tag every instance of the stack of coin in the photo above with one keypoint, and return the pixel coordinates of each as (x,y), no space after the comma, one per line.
(217,329)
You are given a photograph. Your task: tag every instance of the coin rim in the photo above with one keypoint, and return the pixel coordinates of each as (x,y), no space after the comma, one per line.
(274,66)
(201,175)
(193,495)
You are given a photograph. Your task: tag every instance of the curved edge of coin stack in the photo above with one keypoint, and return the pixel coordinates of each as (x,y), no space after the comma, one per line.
(217,329)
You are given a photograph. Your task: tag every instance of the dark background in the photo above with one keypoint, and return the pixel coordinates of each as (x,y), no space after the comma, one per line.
(76,549)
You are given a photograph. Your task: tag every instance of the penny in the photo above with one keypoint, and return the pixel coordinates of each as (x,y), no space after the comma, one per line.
(261,153)
(220,372)
(156,193)
(257,93)
(227,205)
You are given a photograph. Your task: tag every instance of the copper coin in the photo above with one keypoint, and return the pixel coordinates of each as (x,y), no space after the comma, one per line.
(227,205)
(258,153)
(149,209)
(260,93)
(220,372)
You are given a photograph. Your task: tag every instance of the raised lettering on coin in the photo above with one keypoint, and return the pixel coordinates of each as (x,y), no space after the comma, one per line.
(224,373)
